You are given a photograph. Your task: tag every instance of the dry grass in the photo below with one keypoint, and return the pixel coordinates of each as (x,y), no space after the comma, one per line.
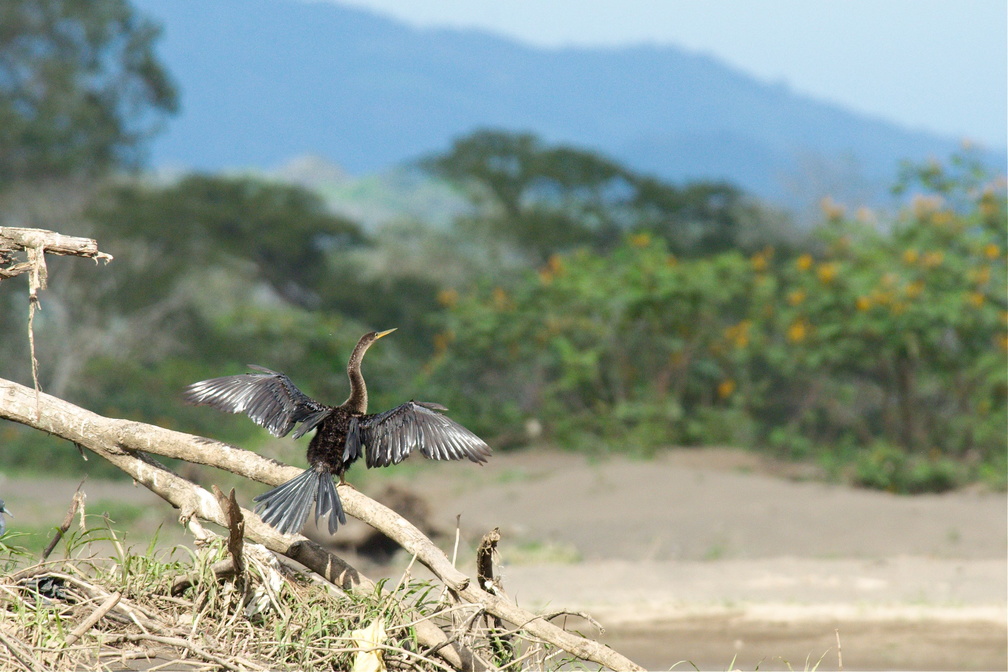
(96,608)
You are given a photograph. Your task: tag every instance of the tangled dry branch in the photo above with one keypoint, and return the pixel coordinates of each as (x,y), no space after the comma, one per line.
(36,243)
(128,445)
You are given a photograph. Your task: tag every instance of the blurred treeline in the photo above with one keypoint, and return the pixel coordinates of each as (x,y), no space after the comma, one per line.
(577,303)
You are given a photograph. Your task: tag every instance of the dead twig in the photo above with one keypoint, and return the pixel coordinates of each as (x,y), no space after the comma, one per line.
(186,645)
(25,658)
(95,616)
(76,504)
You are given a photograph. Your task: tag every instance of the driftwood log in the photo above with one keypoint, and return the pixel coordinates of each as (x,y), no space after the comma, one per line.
(127,444)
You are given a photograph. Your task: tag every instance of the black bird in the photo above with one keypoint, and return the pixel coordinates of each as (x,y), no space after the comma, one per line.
(344,433)
(3,523)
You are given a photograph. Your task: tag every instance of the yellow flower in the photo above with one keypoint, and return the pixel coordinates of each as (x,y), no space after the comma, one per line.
(914,289)
(863,303)
(976,299)
(910,256)
(738,334)
(932,259)
(980,275)
(725,388)
(448,297)
(804,262)
(501,300)
(831,209)
(925,205)
(556,264)
(671,260)
(640,239)
(988,203)
(865,215)
(827,272)
(554,267)
(992,251)
(880,297)
(898,307)
(1003,341)
(759,262)
(942,217)
(796,296)
(798,331)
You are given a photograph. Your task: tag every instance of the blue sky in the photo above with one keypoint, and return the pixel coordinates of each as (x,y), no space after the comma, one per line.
(934,65)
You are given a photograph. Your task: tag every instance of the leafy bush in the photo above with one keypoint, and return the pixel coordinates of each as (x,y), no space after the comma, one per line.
(892,331)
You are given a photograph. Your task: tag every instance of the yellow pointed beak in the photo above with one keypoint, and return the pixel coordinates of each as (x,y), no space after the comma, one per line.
(383,333)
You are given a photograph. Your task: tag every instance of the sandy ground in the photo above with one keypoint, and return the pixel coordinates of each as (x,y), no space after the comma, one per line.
(715,557)
(710,556)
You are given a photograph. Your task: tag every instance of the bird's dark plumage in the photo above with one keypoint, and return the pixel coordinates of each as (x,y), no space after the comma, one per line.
(343,435)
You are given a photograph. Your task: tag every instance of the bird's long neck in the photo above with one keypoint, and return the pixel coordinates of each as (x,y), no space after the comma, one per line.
(357,401)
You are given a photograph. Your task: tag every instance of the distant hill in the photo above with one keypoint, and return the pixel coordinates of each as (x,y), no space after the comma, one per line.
(263,81)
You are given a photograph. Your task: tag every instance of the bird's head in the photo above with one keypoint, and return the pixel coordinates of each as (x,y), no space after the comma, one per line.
(368,339)
(362,345)
(3,509)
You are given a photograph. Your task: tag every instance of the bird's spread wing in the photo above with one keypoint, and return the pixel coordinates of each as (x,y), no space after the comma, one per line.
(390,436)
(268,397)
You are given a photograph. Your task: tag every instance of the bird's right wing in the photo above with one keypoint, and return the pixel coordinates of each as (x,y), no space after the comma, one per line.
(268,397)
(389,437)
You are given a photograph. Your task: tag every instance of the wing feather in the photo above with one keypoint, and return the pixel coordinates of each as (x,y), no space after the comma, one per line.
(269,398)
(389,437)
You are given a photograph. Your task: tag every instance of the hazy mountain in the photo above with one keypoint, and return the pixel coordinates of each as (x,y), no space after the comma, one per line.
(263,81)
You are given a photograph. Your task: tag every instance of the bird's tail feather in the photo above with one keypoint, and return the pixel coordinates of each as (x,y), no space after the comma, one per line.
(286,506)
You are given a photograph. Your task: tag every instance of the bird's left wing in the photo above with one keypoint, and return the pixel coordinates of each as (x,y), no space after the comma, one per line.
(268,397)
(389,437)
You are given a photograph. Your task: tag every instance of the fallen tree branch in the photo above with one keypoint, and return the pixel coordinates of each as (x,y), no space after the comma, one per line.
(125,444)
(88,429)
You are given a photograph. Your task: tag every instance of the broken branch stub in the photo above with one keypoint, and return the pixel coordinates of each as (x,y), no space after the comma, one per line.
(36,243)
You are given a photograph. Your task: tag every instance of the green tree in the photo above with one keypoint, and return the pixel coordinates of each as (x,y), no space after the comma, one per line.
(549,199)
(887,345)
(284,231)
(540,199)
(80,87)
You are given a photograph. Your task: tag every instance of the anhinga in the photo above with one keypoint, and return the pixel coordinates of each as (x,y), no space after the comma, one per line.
(344,433)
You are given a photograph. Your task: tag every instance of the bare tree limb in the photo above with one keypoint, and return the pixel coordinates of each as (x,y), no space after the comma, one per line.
(36,243)
(13,239)
(125,444)
(102,436)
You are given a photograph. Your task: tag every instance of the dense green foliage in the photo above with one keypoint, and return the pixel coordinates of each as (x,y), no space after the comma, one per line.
(888,341)
(877,346)
(548,199)
(80,87)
